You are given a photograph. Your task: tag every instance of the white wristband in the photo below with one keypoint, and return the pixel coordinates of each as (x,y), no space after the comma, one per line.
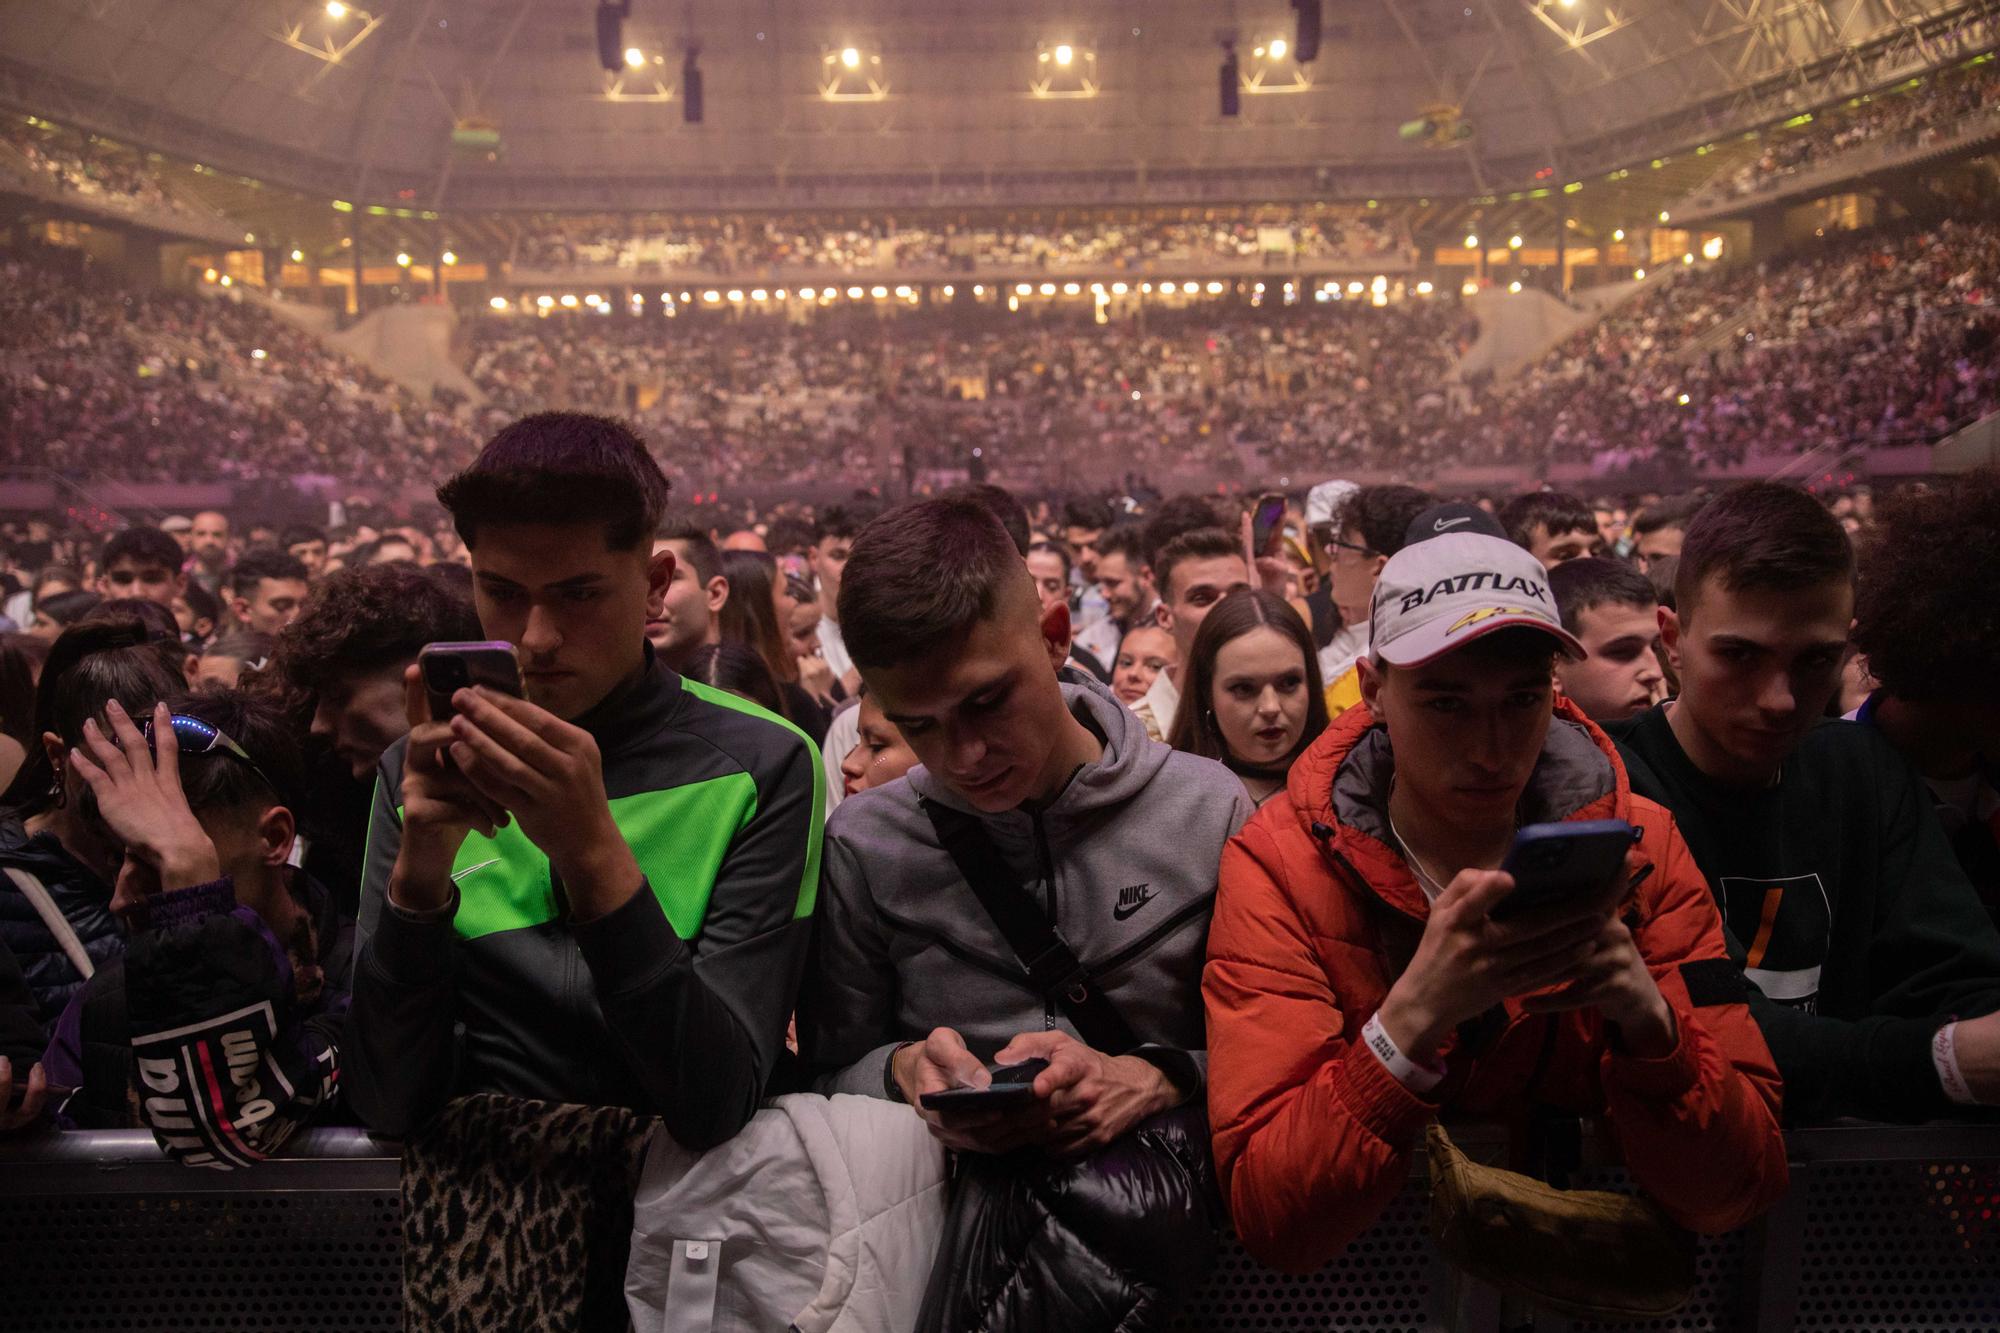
(1415,1077)
(1944,1054)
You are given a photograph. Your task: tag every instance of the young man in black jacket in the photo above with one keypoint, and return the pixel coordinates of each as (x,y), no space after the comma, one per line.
(1876,971)
(220,1028)
(598,893)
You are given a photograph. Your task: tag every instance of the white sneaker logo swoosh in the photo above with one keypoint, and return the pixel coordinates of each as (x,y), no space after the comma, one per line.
(458,875)
(1445,523)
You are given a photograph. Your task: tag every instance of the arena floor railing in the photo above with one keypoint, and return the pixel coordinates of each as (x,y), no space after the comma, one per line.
(1884,1229)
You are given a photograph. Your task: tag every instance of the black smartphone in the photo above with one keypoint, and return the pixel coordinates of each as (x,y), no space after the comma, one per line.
(450,667)
(1558,863)
(1266,520)
(1013,1087)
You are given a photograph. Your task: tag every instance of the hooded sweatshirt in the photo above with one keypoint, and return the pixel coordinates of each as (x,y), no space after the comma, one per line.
(1122,862)
(1318,915)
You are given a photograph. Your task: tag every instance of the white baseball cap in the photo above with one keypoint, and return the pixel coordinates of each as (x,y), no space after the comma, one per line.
(1438,595)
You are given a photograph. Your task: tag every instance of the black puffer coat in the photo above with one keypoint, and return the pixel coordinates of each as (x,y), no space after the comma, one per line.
(1113,1241)
(85,901)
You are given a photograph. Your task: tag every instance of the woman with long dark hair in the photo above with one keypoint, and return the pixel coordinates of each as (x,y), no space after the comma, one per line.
(1251,694)
(751,617)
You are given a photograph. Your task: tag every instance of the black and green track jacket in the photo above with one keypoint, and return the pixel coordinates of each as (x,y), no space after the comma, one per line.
(676,1003)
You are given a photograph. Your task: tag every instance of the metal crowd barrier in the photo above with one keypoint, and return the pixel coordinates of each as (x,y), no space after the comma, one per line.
(1884,1230)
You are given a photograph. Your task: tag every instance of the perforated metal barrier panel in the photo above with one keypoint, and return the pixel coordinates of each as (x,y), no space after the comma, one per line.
(1884,1231)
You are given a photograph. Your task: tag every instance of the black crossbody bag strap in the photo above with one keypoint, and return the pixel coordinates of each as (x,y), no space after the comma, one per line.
(1053,968)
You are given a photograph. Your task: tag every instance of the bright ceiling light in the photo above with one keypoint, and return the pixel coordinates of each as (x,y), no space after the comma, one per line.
(879,293)
(1425,289)
(855,293)
(735,293)
(1048,289)
(634,57)
(258,354)
(1215,289)
(1354,288)
(1190,287)
(402,259)
(1514,286)
(1071,289)
(759,294)
(1064,54)
(449,257)
(500,302)
(808,294)
(1472,242)
(1638,275)
(1712,248)
(1663,215)
(298,256)
(1119,289)
(1514,242)
(850,58)
(335,10)
(1618,235)
(569,300)
(1278,48)
(544,302)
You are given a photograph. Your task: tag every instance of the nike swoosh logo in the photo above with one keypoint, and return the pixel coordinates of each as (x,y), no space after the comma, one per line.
(1445,523)
(458,875)
(1124,911)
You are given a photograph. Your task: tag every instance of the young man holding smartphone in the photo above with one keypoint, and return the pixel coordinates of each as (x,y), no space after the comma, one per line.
(1360,980)
(597,893)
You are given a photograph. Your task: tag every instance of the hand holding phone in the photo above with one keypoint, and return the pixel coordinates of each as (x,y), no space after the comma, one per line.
(450,667)
(1570,862)
(1013,1087)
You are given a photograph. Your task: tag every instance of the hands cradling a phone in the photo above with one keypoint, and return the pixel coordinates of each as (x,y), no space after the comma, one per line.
(499,759)
(1557,957)
(1080,1101)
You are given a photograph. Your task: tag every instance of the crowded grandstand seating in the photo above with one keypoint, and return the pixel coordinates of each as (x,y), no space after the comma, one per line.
(1915,114)
(90,171)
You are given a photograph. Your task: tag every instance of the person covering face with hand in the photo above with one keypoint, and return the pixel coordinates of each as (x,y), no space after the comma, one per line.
(1363,979)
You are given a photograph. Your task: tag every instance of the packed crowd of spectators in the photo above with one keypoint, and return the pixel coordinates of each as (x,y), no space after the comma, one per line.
(1921,114)
(91,171)
(102,382)
(1884,337)
(751,247)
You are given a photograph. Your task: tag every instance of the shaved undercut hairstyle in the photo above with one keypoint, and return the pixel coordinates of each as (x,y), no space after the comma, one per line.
(924,575)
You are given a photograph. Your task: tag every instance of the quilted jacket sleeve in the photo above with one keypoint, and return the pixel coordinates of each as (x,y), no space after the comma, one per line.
(1715,1098)
(1312,1135)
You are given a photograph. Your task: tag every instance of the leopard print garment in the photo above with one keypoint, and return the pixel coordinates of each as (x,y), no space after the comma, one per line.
(517,1214)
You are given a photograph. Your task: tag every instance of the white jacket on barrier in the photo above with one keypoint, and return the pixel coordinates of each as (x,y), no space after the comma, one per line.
(823,1216)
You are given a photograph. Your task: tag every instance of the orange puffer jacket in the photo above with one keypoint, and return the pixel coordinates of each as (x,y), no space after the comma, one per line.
(1312,1133)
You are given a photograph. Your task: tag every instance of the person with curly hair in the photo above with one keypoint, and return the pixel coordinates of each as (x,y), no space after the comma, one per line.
(359,630)
(1927,618)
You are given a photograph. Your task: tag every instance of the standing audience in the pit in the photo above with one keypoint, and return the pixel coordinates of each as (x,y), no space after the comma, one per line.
(356,639)
(265,588)
(1142,656)
(1359,984)
(142,562)
(1614,613)
(1552,526)
(1126,582)
(233,960)
(308,545)
(1253,698)
(521,836)
(734,669)
(225,661)
(751,617)
(58,856)
(208,551)
(1875,970)
(1927,621)
(1196,570)
(879,755)
(691,616)
(55,614)
(1034,792)
(1659,529)
(1372,526)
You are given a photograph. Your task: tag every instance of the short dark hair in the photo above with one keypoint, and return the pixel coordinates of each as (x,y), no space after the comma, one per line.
(219,780)
(561,467)
(702,552)
(1382,514)
(1762,537)
(738,669)
(202,602)
(1660,573)
(297,533)
(1200,544)
(1928,608)
(1676,511)
(1126,540)
(156,619)
(1183,513)
(1000,502)
(1058,549)
(143,547)
(845,519)
(1238,614)
(66,608)
(1579,585)
(1087,511)
(265,562)
(1555,512)
(922,575)
(369,617)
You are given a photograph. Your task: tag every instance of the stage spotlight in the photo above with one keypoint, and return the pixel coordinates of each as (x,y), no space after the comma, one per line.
(691,101)
(1278,48)
(1618,235)
(498,303)
(449,258)
(1064,54)
(1514,242)
(850,57)
(634,57)
(335,10)
(1514,286)
(1638,275)
(403,259)
(1306,49)
(298,256)
(1230,80)
(1472,242)
(1664,215)
(544,302)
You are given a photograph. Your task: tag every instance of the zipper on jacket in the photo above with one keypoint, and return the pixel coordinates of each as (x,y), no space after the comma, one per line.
(1048,862)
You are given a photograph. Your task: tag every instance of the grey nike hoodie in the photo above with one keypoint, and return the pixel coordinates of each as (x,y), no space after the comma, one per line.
(1123,862)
